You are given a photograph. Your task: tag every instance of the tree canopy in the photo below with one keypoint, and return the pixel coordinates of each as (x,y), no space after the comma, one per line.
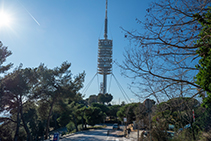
(102,107)
(94,115)
(56,84)
(101,98)
(30,96)
(128,111)
(17,91)
(4,53)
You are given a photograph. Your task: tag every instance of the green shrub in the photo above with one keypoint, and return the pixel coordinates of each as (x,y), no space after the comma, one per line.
(205,136)
(70,126)
(184,135)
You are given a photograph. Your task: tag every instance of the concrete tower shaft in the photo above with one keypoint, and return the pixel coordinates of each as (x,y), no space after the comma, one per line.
(105,54)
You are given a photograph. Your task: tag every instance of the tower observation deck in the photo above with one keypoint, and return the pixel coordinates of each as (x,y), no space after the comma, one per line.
(105,55)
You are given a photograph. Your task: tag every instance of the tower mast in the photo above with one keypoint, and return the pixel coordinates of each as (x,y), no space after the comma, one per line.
(105,54)
(106,21)
(105,36)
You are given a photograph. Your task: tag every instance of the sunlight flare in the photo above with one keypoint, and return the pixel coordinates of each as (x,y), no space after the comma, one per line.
(5,19)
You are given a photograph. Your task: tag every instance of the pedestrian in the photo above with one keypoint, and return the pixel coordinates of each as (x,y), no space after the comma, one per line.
(129,131)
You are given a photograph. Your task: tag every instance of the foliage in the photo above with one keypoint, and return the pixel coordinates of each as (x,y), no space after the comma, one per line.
(94,115)
(34,122)
(6,134)
(185,135)
(128,112)
(43,109)
(4,53)
(72,112)
(64,119)
(204,51)
(70,126)
(30,96)
(177,111)
(113,110)
(205,136)
(203,118)
(141,111)
(123,103)
(17,92)
(101,98)
(159,133)
(55,85)
(102,107)
(77,113)
(92,99)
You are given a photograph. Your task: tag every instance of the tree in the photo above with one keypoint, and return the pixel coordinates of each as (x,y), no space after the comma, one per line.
(203,118)
(33,120)
(164,56)
(176,111)
(102,107)
(92,99)
(4,53)
(101,98)
(113,109)
(123,103)
(94,115)
(108,98)
(203,78)
(127,111)
(56,84)
(16,91)
(6,133)
(141,113)
(77,113)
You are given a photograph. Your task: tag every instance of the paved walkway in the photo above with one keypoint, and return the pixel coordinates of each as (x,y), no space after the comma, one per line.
(113,133)
(133,136)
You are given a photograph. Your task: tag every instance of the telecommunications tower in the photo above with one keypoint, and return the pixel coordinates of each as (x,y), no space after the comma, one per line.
(105,55)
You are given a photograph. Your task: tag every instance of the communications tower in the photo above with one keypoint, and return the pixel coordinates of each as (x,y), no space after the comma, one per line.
(105,55)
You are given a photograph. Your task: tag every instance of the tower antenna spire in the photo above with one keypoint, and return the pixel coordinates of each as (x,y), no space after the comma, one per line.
(106,21)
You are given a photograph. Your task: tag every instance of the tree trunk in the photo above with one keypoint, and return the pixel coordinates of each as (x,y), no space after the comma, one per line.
(85,124)
(193,133)
(24,122)
(18,122)
(48,120)
(82,121)
(55,122)
(76,125)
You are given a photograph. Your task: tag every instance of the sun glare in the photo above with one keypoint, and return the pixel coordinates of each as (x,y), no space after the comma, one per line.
(5,19)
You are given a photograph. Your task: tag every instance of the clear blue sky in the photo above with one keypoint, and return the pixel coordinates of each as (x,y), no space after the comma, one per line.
(54,31)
